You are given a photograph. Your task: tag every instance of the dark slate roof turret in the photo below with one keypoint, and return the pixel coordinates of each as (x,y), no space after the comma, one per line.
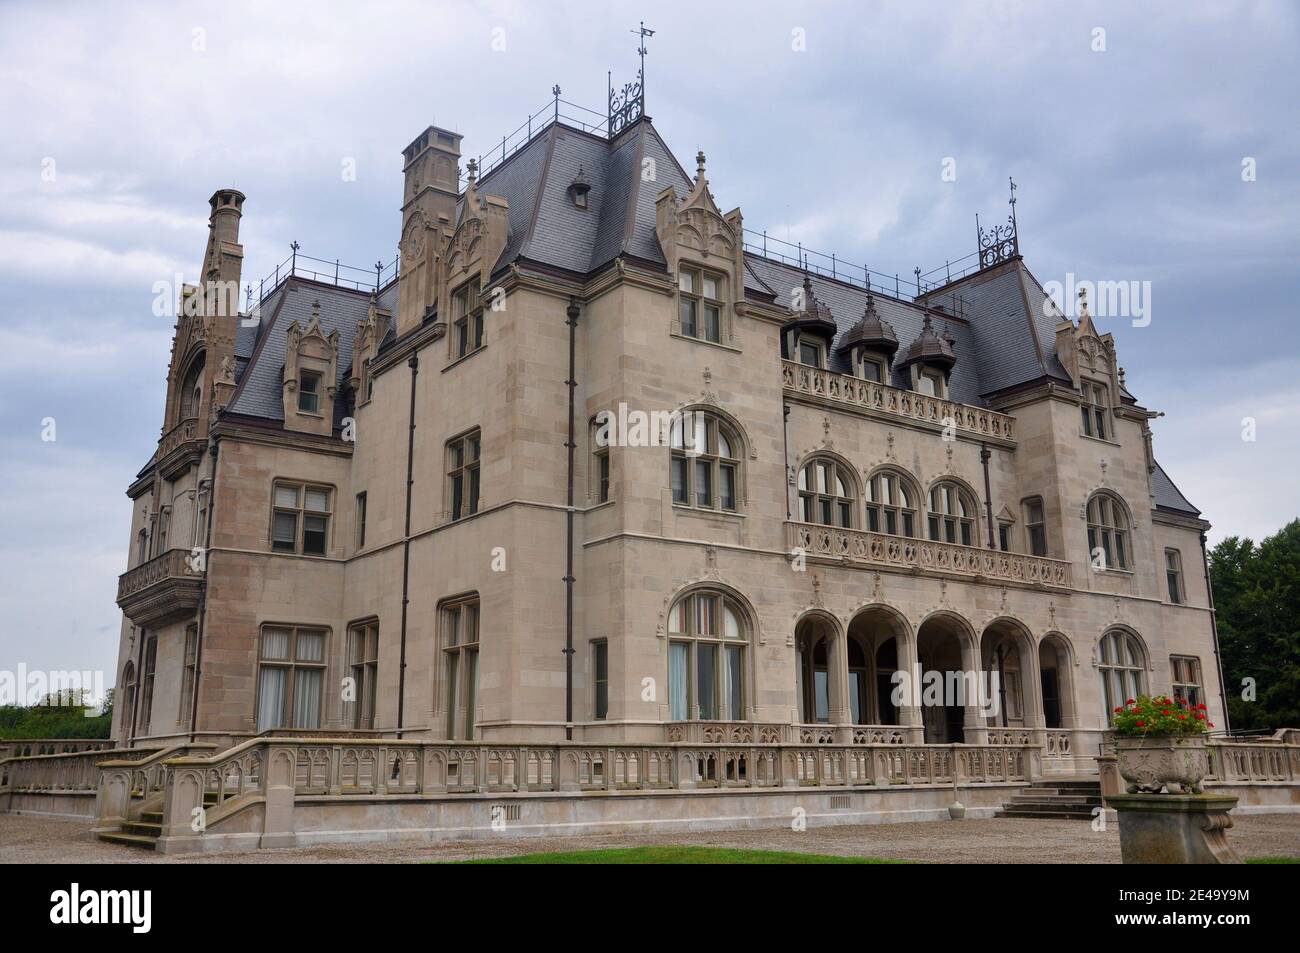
(816,315)
(872,331)
(930,348)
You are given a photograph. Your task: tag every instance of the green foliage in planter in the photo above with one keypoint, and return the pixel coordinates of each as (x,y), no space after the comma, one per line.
(1145,716)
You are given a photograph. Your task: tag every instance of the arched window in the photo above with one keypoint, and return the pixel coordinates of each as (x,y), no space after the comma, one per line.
(1121,665)
(891,504)
(192,389)
(707,636)
(1108,533)
(127,702)
(826,493)
(705,469)
(952,514)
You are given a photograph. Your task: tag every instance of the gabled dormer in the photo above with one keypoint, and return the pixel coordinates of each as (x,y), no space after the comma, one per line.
(1090,360)
(705,254)
(929,360)
(310,374)
(464,268)
(365,346)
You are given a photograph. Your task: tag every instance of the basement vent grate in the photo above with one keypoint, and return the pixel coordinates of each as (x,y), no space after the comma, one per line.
(505,812)
(839,802)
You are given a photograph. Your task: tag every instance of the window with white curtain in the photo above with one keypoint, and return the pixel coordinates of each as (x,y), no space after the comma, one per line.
(952,514)
(291,677)
(146,685)
(891,504)
(706,657)
(1121,666)
(826,493)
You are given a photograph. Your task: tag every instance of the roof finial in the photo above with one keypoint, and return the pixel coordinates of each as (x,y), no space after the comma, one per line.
(471,173)
(1083,303)
(699,165)
(917,271)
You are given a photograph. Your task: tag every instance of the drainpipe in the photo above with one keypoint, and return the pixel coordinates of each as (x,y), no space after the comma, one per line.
(1214,630)
(414,365)
(985,455)
(203,593)
(572,315)
(785,444)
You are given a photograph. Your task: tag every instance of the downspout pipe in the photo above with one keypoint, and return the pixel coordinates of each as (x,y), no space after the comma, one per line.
(414,365)
(571,444)
(213,450)
(1214,630)
(985,455)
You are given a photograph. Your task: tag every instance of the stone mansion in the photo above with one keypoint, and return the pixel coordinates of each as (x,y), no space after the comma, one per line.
(387,510)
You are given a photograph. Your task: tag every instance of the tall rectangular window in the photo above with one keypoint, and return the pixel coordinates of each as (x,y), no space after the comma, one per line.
(600,676)
(1174,576)
(1187,678)
(363,665)
(700,304)
(1093,409)
(300,518)
(467,319)
(460,645)
(1004,537)
(602,475)
(291,677)
(361,521)
(309,393)
(1036,526)
(189,673)
(463,474)
(146,685)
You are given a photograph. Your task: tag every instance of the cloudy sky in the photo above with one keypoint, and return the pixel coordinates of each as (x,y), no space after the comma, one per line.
(1132,135)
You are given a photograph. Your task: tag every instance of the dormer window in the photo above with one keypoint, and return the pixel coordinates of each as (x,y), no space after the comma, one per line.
(578,190)
(700,304)
(812,353)
(872,369)
(309,393)
(932,383)
(1093,409)
(466,319)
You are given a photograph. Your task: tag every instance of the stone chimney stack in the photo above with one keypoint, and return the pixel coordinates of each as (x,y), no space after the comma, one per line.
(432,171)
(225,256)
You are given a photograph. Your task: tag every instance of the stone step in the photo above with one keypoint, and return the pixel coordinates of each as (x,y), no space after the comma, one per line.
(1056,810)
(151,817)
(1044,815)
(1038,797)
(147,828)
(130,840)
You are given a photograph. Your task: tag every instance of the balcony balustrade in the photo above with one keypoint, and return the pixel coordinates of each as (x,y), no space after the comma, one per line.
(854,392)
(161,590)
(925,555)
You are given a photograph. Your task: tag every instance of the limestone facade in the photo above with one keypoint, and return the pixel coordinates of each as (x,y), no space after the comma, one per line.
(246,611)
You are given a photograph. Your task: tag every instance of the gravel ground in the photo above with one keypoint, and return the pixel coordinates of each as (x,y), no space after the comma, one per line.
(35,840)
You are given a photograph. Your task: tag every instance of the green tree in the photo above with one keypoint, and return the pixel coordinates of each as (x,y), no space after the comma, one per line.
(1257,598)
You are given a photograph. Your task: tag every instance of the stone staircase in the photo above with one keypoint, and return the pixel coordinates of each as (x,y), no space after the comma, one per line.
(1056,798)
(145,831)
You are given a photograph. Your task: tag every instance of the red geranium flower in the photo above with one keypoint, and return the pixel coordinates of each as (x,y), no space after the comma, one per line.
(1141,724)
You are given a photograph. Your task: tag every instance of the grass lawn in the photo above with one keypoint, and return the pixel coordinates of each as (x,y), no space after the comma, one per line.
(679,855)
(1273,860)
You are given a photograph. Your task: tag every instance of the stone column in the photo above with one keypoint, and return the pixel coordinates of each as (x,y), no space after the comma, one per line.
(909,713)
(1174,828)
(974,724)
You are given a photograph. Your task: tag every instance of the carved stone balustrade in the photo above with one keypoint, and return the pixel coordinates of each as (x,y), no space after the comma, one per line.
(162,590)
(846,391)
(924,555)
(180,448)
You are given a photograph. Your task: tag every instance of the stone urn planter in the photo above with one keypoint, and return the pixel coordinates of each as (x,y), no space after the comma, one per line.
(1154,764)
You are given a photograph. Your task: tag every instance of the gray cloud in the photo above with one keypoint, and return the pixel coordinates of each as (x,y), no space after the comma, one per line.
(1128,162)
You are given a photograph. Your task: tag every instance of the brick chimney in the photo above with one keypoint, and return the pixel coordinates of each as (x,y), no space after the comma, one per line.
(432,171)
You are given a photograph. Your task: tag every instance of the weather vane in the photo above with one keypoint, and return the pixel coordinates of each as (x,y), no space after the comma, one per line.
(627,105)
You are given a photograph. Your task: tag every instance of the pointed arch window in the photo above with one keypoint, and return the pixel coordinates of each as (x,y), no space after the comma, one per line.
(707,639)
(826,493)
(1108,533)
(705,469)
(891,504)
(952,513)
(192,388)
(1121,665)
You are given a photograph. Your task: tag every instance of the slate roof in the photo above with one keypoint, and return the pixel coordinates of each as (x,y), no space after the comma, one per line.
(1003,328)
(1168,496)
